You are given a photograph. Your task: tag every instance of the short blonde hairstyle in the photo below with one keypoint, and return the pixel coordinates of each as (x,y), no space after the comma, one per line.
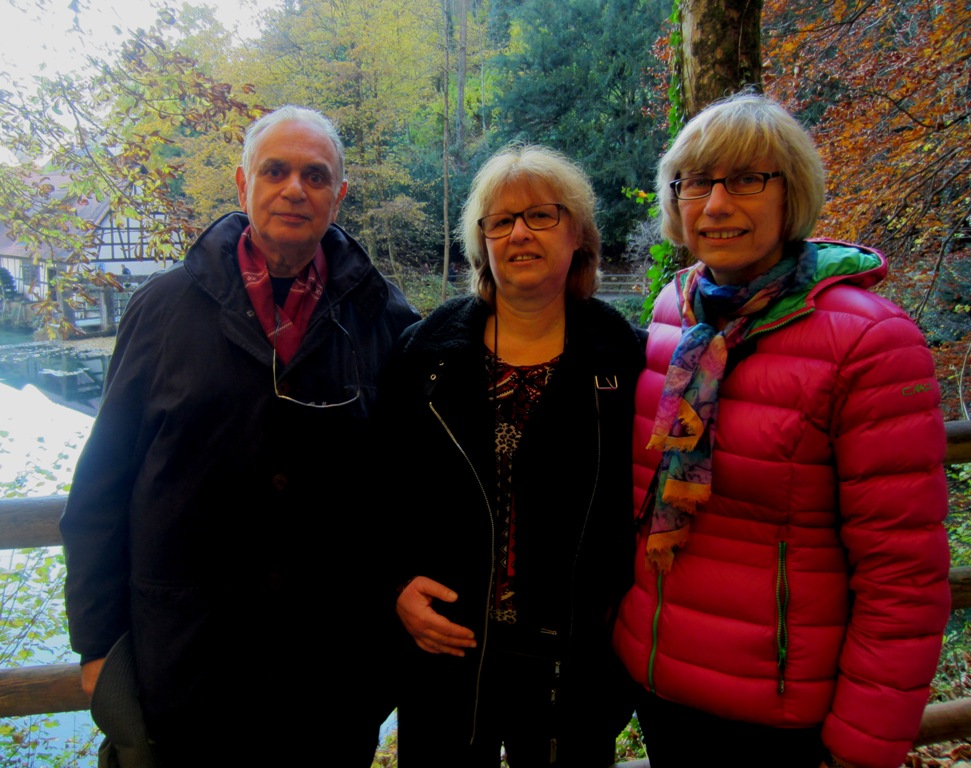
(735,132)
(531,165)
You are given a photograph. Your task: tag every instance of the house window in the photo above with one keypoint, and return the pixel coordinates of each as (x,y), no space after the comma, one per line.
(29,275)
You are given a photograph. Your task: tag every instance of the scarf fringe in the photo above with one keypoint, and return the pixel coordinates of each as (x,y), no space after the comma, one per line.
(668,443)
(685,495)
(659,549)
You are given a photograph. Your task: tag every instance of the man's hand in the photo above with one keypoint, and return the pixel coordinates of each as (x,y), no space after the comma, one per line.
(432,631)
(89,675)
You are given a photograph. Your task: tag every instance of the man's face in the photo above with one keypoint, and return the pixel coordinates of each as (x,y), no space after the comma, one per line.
(291,193)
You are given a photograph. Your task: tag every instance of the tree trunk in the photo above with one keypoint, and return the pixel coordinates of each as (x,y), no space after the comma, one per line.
(447,38)
(395,269)
(721,50)
(461,67)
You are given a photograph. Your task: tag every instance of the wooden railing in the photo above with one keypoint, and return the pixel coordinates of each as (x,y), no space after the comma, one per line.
(613,284)
(53,688)
(26,523)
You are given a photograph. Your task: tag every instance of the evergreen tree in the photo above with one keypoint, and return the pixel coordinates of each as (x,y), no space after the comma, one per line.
(580,78)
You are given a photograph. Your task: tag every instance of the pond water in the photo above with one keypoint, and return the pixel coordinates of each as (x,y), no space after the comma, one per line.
(39,445)
(48,396)
(15,335)
(67,375)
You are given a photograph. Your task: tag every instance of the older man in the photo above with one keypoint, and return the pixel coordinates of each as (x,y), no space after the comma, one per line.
(220,510)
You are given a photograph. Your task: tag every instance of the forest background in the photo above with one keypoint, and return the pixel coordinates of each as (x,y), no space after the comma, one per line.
(423,91)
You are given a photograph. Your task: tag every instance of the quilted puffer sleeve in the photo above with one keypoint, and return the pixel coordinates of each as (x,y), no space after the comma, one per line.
(889,441)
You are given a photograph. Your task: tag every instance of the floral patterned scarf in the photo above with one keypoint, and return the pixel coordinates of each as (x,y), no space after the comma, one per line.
(684,428)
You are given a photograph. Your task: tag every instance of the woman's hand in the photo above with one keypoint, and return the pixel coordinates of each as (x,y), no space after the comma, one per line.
(432,631)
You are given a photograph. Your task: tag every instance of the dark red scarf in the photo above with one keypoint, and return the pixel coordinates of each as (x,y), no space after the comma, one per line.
(284,326)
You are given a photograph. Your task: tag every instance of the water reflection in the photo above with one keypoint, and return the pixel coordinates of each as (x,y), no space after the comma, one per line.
(67,375)
(39,446)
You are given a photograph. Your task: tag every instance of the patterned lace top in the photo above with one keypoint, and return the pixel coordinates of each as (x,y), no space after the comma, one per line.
(515,390)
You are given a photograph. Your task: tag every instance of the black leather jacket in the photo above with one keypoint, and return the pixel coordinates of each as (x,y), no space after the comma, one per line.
(573,488)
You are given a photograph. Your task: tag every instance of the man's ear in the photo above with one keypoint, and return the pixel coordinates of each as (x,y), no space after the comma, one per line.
(241,187)
(341,194)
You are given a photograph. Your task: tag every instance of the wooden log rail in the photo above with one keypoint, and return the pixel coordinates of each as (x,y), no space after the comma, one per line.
(53,688)
(41,690)
(618,284)
(958,442)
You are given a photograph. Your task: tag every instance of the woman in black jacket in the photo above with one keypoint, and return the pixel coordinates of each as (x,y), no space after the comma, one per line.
(509,419)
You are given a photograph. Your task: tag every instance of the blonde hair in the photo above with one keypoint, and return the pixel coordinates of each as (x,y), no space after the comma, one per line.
(735,132)
(531,165)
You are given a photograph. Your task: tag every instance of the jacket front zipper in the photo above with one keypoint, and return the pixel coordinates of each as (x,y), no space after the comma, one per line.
(654,634)
(781,608)
(492,562)
(492,526)
(586,517)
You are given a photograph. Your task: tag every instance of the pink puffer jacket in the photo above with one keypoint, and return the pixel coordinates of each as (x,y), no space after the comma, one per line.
(813,586)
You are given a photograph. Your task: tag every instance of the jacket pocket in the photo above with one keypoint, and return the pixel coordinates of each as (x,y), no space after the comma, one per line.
(173,647)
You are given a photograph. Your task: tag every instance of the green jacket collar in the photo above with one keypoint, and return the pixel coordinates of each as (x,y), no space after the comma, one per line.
(836,262)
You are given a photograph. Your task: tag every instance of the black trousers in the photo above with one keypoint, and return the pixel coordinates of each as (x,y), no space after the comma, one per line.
(531,706)
(677,736)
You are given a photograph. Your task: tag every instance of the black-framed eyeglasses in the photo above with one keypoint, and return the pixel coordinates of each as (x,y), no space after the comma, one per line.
(536,217)
(357,376)
(745,183)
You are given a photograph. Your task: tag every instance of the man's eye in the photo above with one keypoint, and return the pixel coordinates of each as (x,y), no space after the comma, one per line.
(316,178)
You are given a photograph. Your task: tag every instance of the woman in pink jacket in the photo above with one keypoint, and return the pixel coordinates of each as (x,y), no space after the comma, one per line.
(791,576)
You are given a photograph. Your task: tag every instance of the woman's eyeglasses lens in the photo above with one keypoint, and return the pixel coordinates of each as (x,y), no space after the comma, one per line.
(536,217)
(749,183)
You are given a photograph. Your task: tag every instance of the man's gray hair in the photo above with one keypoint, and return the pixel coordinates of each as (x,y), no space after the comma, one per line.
(290,113)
